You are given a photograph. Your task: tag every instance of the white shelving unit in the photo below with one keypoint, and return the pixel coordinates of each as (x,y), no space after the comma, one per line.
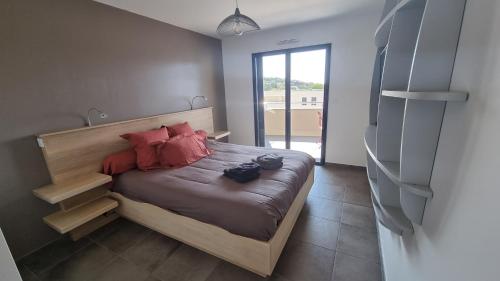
(430,96)
(417,42)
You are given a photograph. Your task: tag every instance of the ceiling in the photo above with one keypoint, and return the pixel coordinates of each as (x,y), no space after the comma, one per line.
(204,16)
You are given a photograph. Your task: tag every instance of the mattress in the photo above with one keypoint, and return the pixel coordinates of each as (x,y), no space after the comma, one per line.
(200,191)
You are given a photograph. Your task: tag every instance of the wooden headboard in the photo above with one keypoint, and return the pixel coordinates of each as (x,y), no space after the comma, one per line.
(79,152)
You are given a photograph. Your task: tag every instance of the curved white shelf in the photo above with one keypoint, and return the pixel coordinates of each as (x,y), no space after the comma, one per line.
(374,189)
(429,96)
(391,169)
(398,218)
(420,190)
(391,217)
(384,27)
(370,140)
(383,30)
(387,224)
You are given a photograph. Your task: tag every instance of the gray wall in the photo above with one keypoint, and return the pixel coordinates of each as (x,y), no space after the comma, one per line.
(57,59)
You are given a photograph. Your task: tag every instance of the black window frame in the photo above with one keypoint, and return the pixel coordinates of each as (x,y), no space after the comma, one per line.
(258,90)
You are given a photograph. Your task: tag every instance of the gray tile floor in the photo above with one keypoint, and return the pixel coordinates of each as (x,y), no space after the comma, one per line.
(334,239)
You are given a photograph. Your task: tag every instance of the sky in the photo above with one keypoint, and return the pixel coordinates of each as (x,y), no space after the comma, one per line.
(306,66)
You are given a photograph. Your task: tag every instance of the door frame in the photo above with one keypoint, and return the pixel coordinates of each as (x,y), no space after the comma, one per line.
(258,94)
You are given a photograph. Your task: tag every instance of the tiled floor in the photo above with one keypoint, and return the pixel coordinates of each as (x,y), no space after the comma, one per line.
(334,240)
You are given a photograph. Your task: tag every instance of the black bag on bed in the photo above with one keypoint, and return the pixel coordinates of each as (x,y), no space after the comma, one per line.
(244,172)
(269,161)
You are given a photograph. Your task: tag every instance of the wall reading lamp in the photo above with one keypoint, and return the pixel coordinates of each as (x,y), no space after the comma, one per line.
(102,115)
(197,97)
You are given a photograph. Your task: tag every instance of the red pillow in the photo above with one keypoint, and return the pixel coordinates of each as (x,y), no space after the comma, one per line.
(143,143)
(180,129)
(202,135)
(182,150)
(120,162)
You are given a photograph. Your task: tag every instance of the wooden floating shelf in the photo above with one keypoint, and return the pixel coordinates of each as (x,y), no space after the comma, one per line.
(384,27)
(92,225)
(392,217)
(428,96)
(66,221)
(391,169)
(218,135)
(55,193)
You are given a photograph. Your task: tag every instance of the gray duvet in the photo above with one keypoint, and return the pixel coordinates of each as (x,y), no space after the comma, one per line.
(201,192)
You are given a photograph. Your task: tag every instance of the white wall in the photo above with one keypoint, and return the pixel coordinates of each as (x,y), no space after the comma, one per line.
(8,269)
(353,54)
(460,235)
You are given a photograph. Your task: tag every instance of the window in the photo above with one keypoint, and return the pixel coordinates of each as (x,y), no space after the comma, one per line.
(313,101)
(304,101)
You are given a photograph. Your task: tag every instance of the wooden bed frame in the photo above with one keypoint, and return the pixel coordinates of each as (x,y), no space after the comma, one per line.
(79,153)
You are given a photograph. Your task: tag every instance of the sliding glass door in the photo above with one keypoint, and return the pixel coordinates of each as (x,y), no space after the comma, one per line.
(274,96)
(291,99)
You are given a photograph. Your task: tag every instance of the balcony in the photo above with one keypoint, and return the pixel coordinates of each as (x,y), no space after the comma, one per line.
(306,126)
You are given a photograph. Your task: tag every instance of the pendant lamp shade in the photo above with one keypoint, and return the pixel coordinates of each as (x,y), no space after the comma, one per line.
(237,24)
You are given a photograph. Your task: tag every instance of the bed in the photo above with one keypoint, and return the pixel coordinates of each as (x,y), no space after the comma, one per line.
(245,224)
(200,191)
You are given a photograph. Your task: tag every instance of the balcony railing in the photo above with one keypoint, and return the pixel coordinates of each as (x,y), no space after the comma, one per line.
(305,121)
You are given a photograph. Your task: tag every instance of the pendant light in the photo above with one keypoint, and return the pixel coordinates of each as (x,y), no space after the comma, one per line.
(237,24)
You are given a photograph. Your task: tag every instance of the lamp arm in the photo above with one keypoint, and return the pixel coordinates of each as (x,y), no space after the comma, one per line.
(89,123)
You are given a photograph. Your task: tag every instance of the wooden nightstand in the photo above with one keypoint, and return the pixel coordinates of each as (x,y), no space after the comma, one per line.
(219,135)
(84,204)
